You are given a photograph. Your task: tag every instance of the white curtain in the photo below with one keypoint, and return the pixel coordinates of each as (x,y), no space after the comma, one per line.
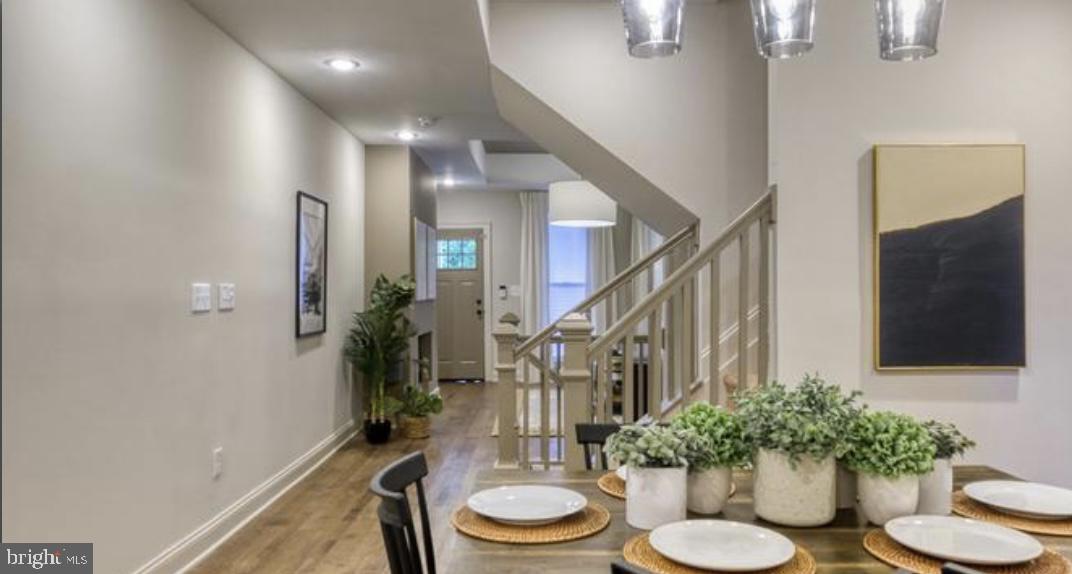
(534,278)
(601,269)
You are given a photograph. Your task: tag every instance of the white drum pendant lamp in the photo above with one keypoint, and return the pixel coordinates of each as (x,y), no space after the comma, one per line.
(580,204)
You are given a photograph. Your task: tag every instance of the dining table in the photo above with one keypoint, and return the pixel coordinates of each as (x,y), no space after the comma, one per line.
(837,546)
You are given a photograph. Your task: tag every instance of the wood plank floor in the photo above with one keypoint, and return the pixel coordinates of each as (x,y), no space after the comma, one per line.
(327,523)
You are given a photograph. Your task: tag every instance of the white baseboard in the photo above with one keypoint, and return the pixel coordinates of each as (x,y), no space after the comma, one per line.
(195,546)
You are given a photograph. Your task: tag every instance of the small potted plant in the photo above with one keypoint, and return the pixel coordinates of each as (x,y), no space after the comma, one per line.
(375,346)
(889,451)
(657,457)
(936,486)
(797,436)
(711,469)
(416,406)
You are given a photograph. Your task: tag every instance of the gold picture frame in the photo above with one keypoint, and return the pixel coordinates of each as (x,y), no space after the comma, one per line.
(950,219)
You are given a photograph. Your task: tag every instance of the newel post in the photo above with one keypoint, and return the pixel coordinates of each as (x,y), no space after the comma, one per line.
(505,334)
(576,378)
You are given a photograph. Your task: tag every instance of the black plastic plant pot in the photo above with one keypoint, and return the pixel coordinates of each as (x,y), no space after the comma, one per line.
(377,432)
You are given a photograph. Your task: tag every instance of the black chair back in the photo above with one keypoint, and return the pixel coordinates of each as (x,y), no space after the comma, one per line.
(623,567)
(595,434)
(396,519)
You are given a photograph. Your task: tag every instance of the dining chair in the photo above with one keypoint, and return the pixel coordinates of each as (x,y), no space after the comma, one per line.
(595,434)
(953,568)
(396,519)
(623,567)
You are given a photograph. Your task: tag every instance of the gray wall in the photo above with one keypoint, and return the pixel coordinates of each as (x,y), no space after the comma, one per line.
(144,150)
(1000,77)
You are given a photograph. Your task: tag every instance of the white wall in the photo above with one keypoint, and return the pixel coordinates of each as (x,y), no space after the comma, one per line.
(1003,75)
(502,210)
(694,125)
(144,150)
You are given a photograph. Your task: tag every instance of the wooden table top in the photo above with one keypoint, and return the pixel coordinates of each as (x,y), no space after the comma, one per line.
(837,547)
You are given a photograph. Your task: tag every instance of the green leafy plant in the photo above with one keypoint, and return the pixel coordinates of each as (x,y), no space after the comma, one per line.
(948,440)
(722,429)
(378,338)
(416,402)
(890,444)
(654,446)
(810,420)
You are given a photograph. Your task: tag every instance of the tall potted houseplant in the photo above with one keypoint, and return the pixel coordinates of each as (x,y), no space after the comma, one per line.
(797,436)
(375,346)
(416,406)
(936,486)
(657,457)
(711,469)
(889,451)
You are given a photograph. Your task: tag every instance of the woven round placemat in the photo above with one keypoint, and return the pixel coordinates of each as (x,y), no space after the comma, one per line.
(638,551)
(886,549)
(594,518)
(612,485)
(968,508)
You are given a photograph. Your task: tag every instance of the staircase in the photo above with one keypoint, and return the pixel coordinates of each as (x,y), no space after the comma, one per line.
(649,361)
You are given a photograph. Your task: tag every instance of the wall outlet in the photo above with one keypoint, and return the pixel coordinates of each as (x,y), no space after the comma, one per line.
(201,297)
(217,462)
(226,296)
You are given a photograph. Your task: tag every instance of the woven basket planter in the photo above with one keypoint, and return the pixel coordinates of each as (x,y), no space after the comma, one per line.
(416,427)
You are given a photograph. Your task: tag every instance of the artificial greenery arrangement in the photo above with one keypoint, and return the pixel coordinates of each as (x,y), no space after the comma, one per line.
(416,402)
(948,440)
(722,429)
(378,338)
(810,420)
(655,446)
(890,444)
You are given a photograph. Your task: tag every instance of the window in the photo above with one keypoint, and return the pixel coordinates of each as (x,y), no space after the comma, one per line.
(456,254)
(567,259)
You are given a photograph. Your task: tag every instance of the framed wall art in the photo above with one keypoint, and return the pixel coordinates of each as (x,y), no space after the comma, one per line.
(311,267)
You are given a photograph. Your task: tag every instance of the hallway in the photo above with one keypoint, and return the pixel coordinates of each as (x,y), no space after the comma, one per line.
(327,523)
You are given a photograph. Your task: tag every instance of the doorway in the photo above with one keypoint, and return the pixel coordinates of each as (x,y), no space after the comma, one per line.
(460,303)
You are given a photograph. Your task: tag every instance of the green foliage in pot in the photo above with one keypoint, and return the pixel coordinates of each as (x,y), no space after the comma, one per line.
(723,430)
(948,440)
(379,337)
(654,446)
(890,444)
(810,420)
(416,402)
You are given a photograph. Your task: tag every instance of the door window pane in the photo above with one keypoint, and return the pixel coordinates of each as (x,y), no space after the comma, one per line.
(456,254)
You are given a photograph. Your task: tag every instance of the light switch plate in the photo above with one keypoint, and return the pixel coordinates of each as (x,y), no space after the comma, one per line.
(226,295)
(201,297)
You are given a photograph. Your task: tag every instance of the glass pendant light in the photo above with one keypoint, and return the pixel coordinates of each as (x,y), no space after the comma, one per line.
(580,204)
(653,27)
(908,29)
(783,28)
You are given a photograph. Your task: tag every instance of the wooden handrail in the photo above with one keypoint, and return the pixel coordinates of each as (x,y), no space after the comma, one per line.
(677,279)
(611,286)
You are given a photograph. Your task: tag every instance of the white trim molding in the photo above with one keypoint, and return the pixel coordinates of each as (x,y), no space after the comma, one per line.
(195,546)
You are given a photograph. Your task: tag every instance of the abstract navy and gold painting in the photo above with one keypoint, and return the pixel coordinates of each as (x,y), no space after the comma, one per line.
(949,256)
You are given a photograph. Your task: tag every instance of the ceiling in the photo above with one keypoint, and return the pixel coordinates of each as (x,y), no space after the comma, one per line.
(419,58)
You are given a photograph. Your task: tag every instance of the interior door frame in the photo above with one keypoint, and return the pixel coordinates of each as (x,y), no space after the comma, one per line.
(489,348)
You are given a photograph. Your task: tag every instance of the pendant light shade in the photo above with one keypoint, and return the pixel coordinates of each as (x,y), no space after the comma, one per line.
(783,28)
(908,29)
(580,204)
(653,27)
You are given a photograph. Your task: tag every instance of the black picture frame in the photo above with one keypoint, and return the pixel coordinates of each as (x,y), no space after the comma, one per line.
(310,270)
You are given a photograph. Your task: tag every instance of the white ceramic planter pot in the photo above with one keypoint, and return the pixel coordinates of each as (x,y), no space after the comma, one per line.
(655,496)
(936,489)
(883,498)
(846,487)
(800,496)
(708,490)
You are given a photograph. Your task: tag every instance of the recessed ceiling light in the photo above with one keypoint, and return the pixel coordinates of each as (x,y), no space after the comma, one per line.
(342,64)
(406,135)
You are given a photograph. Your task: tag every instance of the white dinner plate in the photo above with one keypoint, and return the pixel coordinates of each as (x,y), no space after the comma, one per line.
(722,545)
(963,540)
(1029,499)
(529,505)
(622,472)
